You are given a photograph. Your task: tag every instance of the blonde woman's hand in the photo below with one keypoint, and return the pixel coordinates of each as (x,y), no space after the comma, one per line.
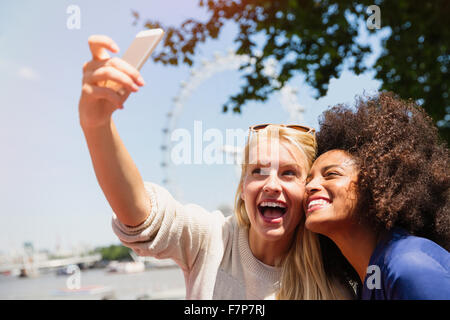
(97,101)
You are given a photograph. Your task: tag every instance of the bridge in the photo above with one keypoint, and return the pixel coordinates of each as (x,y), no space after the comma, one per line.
(50,264)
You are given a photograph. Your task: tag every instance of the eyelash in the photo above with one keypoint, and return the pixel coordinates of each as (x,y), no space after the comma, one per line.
(256,171)
(293,172)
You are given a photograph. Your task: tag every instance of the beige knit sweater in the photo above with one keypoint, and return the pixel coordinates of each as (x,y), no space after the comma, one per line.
(212,250)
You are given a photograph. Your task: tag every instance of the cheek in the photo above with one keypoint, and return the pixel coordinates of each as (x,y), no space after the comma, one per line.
(346,204)
(243,194)
(297,195)
(350,203)
(244,189)
(248,191)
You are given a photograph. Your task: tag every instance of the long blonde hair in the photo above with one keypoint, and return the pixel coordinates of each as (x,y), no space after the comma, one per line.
(302,271)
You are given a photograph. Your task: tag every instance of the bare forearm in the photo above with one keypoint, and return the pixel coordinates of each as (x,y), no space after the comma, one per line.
(117,174)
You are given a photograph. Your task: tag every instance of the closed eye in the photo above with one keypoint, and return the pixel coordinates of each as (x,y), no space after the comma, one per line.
(332,174)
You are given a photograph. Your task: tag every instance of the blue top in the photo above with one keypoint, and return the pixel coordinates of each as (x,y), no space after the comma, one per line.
(410,267)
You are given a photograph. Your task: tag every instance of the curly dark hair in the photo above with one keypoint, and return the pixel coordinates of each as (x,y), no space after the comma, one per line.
(404,176)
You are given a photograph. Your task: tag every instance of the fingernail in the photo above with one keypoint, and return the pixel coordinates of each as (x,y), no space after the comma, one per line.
(141,81)
(135,87)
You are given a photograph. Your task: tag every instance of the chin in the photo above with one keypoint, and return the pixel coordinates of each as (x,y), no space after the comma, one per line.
(315,225)
(310,225)
(273,234)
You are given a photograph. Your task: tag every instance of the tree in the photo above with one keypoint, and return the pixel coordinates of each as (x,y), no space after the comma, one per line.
(316,38)
(114,252)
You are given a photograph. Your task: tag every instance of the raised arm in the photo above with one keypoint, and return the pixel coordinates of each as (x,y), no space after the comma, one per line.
(115,170)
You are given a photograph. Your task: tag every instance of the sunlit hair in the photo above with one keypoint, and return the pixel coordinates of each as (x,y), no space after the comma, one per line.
(302,271)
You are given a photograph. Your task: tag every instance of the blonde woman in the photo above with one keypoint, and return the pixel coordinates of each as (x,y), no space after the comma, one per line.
(238,257)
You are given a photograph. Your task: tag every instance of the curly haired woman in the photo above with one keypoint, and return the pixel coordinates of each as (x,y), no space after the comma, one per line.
(380,191)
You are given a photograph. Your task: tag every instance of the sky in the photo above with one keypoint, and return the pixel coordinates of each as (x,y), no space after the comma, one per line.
(49,194)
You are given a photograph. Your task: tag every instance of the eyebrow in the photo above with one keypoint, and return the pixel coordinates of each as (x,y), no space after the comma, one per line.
(331,166)
(293,164)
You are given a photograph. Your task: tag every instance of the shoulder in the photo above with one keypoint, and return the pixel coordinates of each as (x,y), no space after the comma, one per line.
(416,268)
(405,252)
(164,201)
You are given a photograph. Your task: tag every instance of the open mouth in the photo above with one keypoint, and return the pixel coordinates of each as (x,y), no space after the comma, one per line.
(272,211)
(317,203)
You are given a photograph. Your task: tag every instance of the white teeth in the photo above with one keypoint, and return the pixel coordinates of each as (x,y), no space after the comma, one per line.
(272,204)
(318,202)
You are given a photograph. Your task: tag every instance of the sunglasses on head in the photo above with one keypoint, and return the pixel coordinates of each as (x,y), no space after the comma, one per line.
(291,126)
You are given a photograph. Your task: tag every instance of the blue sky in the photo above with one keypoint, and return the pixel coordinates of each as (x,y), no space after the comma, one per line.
(49,193)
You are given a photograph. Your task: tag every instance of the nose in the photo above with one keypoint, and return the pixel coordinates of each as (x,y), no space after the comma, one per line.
(272,185)
(313,186)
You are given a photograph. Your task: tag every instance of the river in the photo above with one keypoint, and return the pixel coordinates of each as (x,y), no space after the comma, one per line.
(157,283)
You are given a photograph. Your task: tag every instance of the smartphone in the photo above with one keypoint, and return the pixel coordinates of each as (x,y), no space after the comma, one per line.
(142,47)
(138,52)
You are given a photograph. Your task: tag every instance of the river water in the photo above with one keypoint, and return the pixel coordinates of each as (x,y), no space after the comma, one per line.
(157,283)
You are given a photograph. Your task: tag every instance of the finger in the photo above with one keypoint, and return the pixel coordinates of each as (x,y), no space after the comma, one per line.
(104,93)
(98,45)
(109,73)
(127,68)
(117,63)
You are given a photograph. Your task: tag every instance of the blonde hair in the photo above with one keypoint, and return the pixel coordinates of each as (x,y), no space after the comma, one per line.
(302,271)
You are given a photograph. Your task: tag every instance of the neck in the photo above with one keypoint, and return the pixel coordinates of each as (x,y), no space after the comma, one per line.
(357,243)
(266,251)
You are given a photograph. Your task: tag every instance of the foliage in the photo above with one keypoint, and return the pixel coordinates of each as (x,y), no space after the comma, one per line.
(318,38)
(114,252)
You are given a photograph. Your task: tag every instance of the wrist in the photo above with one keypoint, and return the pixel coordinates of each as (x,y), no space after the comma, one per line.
(97,125)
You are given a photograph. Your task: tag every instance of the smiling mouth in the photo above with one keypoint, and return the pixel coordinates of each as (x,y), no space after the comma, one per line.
(272,212)
(317,204)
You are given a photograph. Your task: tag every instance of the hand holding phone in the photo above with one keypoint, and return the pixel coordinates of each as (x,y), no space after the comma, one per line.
(138,52)
(108,81)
